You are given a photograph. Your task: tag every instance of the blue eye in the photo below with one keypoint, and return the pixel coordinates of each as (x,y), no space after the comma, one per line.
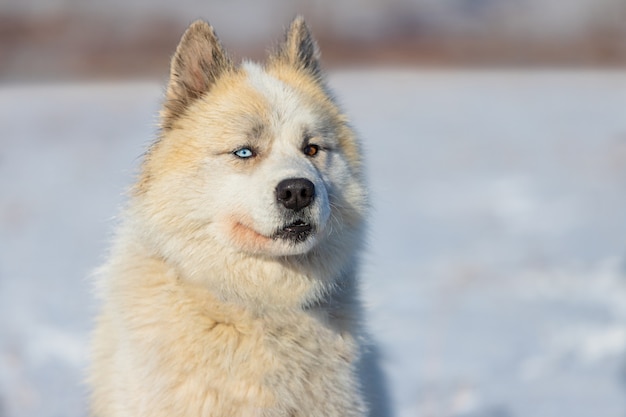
(244,153)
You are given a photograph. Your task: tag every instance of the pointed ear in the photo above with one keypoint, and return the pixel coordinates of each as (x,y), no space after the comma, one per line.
(300,49)
(198,62)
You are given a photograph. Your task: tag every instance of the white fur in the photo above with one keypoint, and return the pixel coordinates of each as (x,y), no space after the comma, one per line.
(204,312)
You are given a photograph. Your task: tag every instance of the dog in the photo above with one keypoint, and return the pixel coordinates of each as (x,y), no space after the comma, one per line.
(231,286)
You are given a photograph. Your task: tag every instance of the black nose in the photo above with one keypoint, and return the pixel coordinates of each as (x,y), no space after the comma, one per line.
(295,193)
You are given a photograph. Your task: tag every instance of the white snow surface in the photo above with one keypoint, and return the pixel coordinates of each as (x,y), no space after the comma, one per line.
(495,272)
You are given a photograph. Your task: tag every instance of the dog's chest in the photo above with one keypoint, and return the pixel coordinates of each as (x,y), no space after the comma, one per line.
(311,364)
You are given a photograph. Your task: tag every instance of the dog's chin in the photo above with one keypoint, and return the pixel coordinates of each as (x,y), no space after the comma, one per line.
(295,238)
(288,247)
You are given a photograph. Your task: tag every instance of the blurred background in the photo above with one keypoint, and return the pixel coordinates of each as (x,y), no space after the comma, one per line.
(69,39)
(495,137)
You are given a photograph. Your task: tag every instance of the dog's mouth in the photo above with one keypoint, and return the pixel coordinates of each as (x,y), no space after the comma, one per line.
(298,231)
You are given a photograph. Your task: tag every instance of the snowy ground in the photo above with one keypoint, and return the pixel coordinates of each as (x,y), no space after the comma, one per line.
(496,270)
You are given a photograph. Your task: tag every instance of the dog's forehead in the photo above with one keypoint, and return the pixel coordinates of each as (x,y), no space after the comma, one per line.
(270,87)
(285,103)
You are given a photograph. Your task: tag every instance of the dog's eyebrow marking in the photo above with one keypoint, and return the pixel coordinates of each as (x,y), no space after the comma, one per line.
(325,130)
(307,135)
(321,135)
(257,131)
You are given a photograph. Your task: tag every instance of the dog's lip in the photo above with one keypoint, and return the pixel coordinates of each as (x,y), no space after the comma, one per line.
(299,226)
(297,231)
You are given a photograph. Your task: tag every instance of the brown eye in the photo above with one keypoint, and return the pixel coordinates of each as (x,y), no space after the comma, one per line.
(311,149)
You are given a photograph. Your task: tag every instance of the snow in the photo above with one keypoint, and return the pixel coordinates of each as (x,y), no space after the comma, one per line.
(495,274)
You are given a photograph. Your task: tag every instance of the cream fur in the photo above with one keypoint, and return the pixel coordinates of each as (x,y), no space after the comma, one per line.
(205,312)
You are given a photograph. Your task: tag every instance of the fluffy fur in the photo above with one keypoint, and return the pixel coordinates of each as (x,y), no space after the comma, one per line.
(211,304)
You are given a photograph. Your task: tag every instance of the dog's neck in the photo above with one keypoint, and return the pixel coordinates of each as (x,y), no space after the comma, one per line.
(263,283)
(257,282)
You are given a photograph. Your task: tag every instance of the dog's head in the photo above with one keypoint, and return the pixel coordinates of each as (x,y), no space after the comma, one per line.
(257,159)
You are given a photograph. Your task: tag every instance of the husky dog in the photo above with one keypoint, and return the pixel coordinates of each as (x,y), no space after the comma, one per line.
(230,289)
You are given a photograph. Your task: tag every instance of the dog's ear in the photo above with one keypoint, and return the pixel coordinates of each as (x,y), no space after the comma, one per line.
(300,49)
(198,62)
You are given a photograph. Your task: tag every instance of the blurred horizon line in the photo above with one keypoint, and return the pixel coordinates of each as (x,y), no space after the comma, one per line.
(61,46)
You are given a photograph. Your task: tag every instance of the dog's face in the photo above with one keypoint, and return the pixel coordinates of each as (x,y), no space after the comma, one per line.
(257,158)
